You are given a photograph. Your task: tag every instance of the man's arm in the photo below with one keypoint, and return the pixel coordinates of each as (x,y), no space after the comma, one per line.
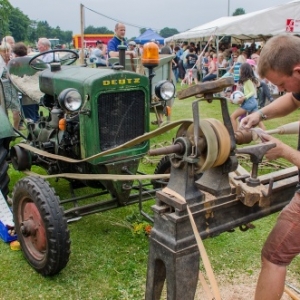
(282,106)
(282,150)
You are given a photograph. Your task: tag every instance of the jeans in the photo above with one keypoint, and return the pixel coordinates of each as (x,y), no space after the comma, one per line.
(176,74)
(209,77)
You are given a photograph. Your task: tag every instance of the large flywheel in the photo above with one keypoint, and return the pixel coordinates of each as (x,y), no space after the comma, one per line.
(213,142)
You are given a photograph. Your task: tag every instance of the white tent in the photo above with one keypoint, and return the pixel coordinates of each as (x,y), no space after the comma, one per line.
(255,25)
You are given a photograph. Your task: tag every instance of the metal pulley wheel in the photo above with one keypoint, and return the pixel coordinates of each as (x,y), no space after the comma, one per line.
(213,143)
(223,141)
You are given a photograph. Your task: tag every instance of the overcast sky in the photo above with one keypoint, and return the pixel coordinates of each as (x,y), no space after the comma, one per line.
(155,14)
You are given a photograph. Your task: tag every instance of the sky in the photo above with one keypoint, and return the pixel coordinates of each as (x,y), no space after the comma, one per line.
(135,14)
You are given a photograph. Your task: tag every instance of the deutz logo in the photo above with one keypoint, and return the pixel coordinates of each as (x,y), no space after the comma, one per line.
(122,81)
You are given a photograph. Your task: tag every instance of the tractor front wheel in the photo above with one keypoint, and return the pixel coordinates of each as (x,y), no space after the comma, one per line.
(41,226)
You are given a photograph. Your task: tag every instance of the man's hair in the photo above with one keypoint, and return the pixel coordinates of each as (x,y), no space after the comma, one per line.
(5,47)
(45,42)
(7,38)
(117,25)
(20,49)
(281,53)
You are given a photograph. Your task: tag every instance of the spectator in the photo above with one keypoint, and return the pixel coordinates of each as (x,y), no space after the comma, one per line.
(43,46)
(11,41)
(191,70)
(10,93)
(118,39)
(263,89)
(98,55)
(175,64)
(132,47)
(181,68)
(30,107)
(221,64)
(235,69)
(166,50)
(204,64)
(212,70)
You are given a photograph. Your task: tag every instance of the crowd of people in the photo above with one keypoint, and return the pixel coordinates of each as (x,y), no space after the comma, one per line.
(193,64)
(18,103)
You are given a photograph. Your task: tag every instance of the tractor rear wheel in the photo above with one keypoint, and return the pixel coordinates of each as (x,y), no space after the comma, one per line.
(163,167)
(41,225)
(4,179)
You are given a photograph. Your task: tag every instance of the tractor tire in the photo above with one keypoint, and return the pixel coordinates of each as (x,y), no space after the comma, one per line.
(4,178)
(41,226)
(163,167)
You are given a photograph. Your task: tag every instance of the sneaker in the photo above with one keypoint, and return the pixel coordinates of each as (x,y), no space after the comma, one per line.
(21,127)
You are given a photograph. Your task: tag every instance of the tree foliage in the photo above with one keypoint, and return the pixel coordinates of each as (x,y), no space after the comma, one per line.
(14,22)
(97,30)
(239,11)
(5,12)
(19,25)
(166,32)
(142,30)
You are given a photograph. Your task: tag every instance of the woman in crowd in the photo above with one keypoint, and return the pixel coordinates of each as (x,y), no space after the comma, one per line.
(212,69)
(11,95)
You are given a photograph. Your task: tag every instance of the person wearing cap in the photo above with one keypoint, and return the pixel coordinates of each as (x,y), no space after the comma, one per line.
(98,55)
(132,47)
(117,40)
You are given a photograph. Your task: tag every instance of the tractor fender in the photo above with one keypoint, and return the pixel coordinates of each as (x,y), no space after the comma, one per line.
(6,129)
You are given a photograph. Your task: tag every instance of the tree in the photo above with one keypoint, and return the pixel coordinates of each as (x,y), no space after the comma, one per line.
(19,25)
(166,32)
(142,30)
(97,30)
(43,29)
(239,11)
(5,11)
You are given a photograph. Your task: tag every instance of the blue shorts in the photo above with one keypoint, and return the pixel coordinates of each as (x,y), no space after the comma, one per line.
(250,105)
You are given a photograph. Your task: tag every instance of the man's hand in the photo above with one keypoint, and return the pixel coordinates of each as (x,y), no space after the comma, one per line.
(276,152)
(250,121)
(130,53)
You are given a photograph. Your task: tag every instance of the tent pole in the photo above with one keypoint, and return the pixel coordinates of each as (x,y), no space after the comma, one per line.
(217,45)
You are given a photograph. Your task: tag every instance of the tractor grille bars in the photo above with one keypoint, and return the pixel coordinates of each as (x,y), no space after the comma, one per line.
(121,117)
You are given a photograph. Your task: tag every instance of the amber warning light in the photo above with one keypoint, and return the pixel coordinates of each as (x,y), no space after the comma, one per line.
(150,58)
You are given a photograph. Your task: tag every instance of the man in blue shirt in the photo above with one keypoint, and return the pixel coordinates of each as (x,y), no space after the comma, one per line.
(118,39)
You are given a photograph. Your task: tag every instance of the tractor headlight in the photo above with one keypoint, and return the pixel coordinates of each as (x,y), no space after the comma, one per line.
(165,90)
(70,99)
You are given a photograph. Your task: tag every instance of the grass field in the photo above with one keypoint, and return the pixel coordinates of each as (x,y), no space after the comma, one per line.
(109,260)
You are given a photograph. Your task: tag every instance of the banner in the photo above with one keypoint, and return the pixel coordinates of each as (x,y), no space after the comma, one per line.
(292,25)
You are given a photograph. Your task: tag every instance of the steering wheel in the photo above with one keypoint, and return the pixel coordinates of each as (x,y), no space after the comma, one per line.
(64,56)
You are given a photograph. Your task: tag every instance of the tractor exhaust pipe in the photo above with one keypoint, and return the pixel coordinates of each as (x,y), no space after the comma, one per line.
(122,49)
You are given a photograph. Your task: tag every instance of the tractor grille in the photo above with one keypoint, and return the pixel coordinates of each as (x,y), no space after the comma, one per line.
(121,117)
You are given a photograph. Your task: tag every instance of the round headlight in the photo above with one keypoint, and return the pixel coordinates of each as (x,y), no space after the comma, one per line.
(70,99)
(165,90)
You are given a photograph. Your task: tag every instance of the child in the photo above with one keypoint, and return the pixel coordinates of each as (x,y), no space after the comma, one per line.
(248,102)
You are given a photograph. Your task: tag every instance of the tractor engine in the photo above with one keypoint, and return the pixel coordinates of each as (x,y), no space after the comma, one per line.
(88,111)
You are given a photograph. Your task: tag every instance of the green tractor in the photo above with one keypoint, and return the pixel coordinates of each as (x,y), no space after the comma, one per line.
(90,135)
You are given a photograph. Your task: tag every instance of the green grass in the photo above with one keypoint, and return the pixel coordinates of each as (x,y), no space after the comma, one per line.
(108,261)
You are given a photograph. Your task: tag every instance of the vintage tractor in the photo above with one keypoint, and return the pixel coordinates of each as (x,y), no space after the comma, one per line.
(87,136)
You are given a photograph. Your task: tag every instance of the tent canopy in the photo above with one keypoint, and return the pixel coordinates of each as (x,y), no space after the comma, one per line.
(149,35)
(267,22)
